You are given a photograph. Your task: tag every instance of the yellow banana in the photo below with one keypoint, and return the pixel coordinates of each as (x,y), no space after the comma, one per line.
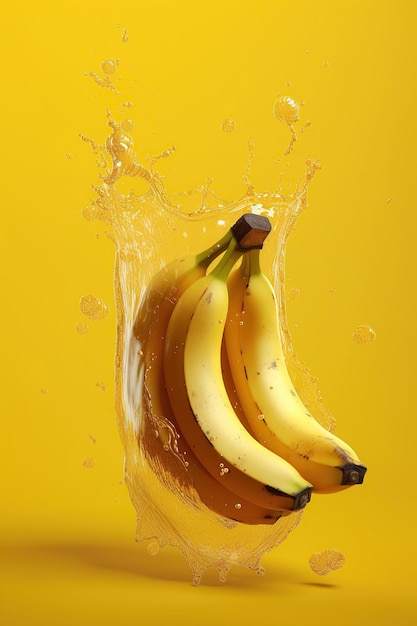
(167,282)
(192,366)
(277,416)
(162,437)
(166,446)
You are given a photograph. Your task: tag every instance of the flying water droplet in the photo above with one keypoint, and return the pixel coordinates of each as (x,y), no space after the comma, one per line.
(287,110)
(364,335)
(127,125)
(109,66)
(325,562)
(153,548)
(82,329)
(293,293)
(228,125)
(89,462)
(93,307)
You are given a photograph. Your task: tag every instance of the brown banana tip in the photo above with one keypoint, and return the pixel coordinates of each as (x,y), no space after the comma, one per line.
(302,499)
(251,230)
(353,474)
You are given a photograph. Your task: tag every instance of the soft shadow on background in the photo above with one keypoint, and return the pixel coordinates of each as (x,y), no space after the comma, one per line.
(168,564)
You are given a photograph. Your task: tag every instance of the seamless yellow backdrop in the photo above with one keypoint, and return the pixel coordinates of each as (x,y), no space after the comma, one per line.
(67,531)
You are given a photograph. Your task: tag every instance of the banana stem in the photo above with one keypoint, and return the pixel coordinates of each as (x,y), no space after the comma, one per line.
(205,257)
(253,264)
(232,254)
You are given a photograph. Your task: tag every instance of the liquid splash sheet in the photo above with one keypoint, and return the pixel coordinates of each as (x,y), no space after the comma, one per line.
(150,231)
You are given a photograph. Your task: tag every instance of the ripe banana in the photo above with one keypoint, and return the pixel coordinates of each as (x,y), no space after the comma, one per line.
(179,272)
(192,367)
(277,417)
(163,442)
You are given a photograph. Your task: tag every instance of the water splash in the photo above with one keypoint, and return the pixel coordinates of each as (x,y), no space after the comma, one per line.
(108,69)
(287,110)
(149,231)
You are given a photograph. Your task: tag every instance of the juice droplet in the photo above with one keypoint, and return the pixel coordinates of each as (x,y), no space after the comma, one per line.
(93,439)
(251,156)
(109,66)
(127,125)
(93,307)
(82,329)
(238,506)
(89,462)
(125,35)
(332,290)
(326,64)
(306,125)
(44,391)
(228,125)
(364,335)
(293,293)
(390,199)
(68,155)
(324,562)
(101,386)
(153,548)
(287,110)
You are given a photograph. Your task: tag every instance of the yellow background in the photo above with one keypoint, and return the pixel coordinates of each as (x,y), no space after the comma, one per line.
(67,533)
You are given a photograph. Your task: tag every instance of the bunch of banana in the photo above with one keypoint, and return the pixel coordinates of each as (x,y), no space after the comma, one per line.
(169,449)
(218,395)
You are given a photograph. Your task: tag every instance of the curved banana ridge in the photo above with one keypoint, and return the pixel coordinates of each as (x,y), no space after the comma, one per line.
(277,417)
(164,443)
(197,394)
